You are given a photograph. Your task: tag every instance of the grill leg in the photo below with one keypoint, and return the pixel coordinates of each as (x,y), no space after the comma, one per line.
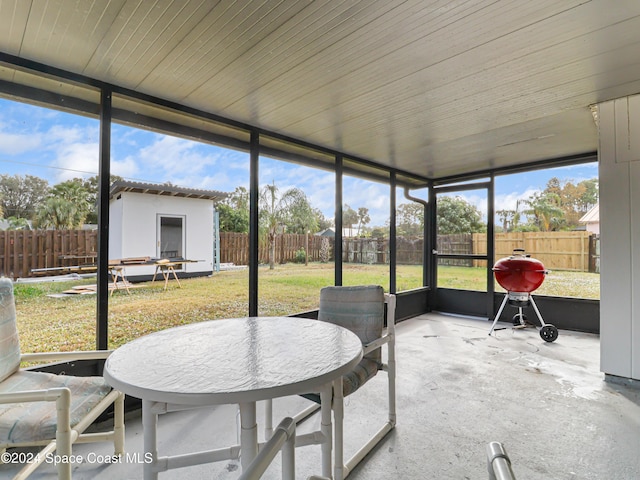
(495,320)
(535,309)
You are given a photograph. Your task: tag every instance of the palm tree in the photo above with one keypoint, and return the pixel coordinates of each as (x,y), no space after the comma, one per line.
(349,218)
(66,207)
(56,213)
(276,211)
(545,208)
(363,218)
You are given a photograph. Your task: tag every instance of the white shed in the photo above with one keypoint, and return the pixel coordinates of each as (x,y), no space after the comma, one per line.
(163,221)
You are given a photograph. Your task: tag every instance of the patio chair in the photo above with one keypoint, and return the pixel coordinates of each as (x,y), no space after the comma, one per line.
(28,415)
(361,310)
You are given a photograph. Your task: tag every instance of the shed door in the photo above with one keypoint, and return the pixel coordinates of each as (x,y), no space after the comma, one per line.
(171,236)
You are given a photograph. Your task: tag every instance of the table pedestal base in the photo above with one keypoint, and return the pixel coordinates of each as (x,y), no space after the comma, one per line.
(245,452)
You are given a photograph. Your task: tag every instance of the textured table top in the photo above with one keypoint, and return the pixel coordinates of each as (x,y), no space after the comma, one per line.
(233,360)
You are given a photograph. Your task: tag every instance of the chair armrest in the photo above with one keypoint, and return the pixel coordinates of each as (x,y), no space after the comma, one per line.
(390,300)
(49,395)
(65,356)
(375,344)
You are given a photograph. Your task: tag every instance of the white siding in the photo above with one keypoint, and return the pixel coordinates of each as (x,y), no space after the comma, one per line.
(115,228)
(620,235)
(136,234)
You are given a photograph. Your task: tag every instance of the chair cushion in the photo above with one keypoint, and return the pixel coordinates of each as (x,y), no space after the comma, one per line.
(352,380)
(32,421)
(359,309)
(9,344)
(357,377)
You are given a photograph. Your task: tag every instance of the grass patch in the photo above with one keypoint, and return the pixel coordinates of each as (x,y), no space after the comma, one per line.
(48,324)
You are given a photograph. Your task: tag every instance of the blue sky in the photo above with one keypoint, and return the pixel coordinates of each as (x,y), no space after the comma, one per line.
(58,146)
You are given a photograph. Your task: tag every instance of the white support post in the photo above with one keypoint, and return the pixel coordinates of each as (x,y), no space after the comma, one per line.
(391,356)
(150,427)
(338,413)
(248,433)
(268,419)
(289,453)
(118,425)
(325,428)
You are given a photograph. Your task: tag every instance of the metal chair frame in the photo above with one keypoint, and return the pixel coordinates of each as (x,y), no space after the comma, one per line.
(341,468)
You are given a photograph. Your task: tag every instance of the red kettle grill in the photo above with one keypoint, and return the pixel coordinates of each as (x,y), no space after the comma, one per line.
(520,275)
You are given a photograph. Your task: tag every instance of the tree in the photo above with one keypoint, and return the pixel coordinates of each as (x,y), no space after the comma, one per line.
(66,207)
(410,219)
(456,215)
(379,232)
(277,210)
(510,218)
(577,199)
(363,218)
(545,209)
(20,196)
(349,217)
(234,212)
(561,204)
(300,217)
(18,224)
(322,221)
(589,196)
(92,186)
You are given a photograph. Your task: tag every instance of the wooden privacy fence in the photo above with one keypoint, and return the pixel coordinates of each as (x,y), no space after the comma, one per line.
(556,250)
(234,248)
(23,250)
(456,244)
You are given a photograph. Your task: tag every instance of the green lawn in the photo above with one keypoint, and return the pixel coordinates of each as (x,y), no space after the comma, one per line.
(48,324)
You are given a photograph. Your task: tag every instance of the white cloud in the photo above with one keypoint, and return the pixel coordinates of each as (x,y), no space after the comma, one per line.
(321,194)
(169,157)
(17,143)
(63,135)
(509,201)
(76,160)
(126,168)
(371,195)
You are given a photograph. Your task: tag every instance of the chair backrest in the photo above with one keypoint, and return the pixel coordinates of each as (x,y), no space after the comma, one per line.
(9,344)
(359,309)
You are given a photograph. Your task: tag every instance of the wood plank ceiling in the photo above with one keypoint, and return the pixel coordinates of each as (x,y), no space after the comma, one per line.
(435,88)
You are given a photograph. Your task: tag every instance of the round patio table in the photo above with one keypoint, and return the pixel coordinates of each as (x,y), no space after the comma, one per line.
(239,360)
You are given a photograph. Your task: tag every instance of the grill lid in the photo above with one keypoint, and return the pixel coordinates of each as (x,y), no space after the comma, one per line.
(519,272)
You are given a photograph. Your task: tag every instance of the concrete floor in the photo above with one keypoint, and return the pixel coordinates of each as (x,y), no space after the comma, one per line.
(458,389)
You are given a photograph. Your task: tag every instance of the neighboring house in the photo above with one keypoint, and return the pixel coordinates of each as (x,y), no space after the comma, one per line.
(592,220)
(162,221)
(347,232)
(327,232)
